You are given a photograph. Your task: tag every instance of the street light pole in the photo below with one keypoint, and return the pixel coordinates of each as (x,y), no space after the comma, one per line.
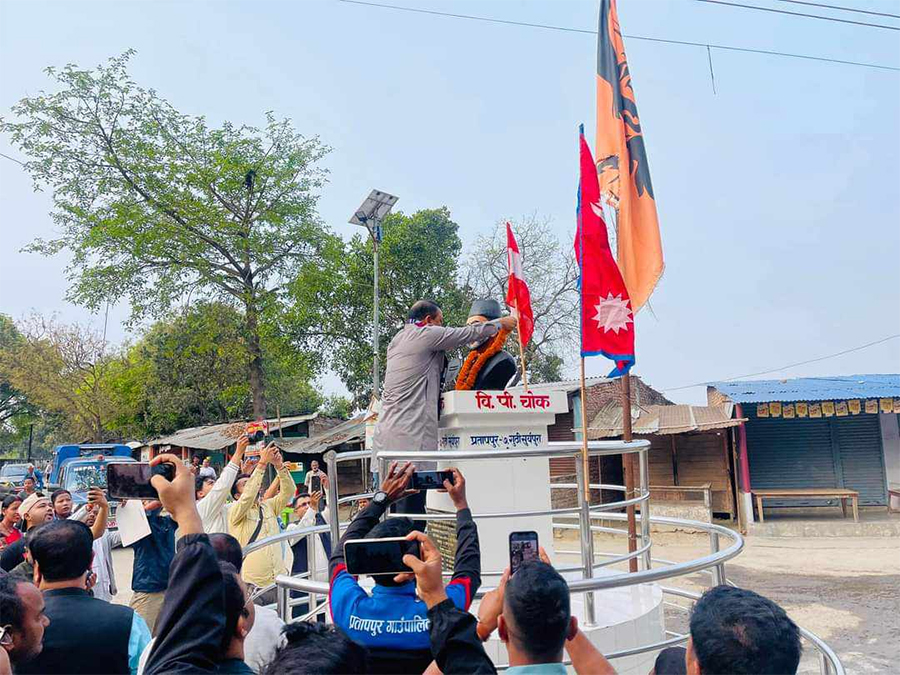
(375,372)
(370,216)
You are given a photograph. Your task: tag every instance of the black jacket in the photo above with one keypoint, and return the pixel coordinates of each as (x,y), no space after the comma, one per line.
(454,641)
(85,635)
(192,622)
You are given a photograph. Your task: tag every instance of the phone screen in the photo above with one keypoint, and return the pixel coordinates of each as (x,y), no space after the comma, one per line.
(131,480)
(430,480)
(523,547)
(315,484)
(379,556)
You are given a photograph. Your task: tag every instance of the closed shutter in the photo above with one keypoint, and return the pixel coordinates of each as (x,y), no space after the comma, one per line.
(862,459)
(817,453)
(793,453)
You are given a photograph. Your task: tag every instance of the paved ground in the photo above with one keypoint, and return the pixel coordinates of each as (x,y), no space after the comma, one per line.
(843,589)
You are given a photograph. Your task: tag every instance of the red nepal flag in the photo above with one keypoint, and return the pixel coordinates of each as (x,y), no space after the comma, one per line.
(607,323)
(517,294)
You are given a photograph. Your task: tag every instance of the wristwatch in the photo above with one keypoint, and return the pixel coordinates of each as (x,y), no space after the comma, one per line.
(380,498)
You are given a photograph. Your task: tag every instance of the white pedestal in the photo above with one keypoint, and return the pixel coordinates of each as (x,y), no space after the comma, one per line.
(625,617)
(500,420)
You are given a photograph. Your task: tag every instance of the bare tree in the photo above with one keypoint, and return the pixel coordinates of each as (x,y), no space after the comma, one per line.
(552,277)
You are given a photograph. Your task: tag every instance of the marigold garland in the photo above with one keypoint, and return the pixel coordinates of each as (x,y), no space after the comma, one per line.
(476,359)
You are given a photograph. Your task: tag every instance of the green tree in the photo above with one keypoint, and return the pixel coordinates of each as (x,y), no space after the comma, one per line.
(339,407)
(66,371)
(154,204)
(13,402)
(193,369)
(552,277)
(418,258)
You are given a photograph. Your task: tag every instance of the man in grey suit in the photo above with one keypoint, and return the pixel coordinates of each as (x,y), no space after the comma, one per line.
(412,384)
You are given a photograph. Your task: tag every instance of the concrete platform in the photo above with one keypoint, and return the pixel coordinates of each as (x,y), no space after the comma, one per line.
(826,522)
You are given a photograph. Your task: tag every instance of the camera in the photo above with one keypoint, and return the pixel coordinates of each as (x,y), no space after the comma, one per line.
(257,431)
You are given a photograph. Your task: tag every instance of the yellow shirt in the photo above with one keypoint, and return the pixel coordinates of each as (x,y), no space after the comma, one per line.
(262,566)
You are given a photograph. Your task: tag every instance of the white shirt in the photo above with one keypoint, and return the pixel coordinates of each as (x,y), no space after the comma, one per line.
(308,480)
(212,508)
(207,472)
(99,567)
(308,520)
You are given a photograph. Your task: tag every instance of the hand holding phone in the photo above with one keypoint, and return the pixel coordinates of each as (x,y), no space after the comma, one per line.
(97,498)
(396,482)
(427,569)
(177,495)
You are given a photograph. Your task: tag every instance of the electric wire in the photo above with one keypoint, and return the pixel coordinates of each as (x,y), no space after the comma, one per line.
(841,8)
(790,365)
(802,14)
(566,29)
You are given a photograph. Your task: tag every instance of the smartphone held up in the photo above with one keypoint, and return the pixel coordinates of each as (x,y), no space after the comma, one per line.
(131,480)
(430,480)
(379,556)
(523,548)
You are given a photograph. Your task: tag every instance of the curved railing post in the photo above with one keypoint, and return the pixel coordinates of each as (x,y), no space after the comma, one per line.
(331,463)
(644,471)
(587,539)
(718,571)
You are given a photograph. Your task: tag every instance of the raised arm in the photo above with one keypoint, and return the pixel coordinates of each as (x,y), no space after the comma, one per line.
(454,641)
(97,497)
(286,484)
(441,338)
(467,560)
(394,486)
(245,502)
(192,622)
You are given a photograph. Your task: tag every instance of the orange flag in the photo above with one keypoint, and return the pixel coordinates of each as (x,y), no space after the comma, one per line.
(626,193)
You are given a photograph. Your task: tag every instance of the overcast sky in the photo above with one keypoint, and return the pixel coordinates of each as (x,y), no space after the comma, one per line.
(777,196)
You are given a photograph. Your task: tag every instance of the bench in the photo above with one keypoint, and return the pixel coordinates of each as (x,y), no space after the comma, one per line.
(810,493)
(893,498)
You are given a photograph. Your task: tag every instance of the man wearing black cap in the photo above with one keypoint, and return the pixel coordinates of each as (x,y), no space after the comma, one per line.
(412,383)
(499,369)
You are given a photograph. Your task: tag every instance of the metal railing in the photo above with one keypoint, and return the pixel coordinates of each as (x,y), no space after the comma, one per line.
(712,564)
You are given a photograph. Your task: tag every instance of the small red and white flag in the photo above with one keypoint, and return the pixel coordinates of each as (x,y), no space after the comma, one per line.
(517,295)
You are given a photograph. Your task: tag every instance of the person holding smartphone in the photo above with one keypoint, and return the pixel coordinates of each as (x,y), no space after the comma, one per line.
(393,623)
(316,480)
(251,519)
(411,393)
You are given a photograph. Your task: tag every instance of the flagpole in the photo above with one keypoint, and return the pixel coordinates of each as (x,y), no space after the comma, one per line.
(628,469)
(584,520)
(522,356)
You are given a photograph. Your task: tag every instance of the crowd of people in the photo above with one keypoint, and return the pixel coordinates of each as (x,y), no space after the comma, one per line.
(194,607)
(199,604)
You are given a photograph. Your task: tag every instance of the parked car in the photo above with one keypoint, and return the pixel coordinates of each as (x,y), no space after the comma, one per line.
(12,475)
(79,474)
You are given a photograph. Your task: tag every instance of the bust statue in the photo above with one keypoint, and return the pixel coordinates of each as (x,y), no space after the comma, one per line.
(487,365)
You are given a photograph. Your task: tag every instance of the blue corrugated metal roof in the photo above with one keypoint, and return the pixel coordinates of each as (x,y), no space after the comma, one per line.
(811,388)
